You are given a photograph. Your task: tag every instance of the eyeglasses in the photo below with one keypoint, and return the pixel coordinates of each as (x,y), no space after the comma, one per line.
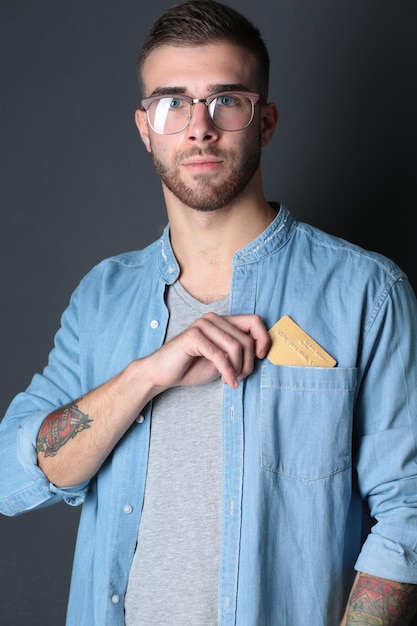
(228,110)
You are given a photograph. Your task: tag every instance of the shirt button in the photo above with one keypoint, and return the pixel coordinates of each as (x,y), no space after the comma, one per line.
(140,419)
(115,599)
(127,508)
(154,324)
(171,269)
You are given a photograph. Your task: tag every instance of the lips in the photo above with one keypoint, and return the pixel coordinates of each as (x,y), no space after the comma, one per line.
(202,163)
(203,166)
(208,160)
(198,157)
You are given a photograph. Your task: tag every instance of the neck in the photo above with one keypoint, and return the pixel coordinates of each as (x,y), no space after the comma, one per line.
(204,243)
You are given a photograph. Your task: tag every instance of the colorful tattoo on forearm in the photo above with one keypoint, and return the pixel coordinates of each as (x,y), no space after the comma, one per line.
(378,602)
(59,427)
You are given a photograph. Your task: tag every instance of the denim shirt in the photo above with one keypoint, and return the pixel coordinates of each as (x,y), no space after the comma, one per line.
(319,464)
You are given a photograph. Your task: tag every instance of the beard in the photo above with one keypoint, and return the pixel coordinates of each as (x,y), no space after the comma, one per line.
(206,194)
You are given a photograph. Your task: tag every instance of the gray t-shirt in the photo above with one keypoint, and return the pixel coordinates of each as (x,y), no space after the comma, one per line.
(174,576)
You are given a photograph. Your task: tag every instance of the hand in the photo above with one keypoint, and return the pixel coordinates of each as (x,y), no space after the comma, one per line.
(212,346)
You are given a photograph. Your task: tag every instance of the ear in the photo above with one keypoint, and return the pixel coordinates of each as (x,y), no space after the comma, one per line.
(269,119)
(142,126)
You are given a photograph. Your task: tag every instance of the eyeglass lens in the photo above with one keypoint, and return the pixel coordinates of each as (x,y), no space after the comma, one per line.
(169,115)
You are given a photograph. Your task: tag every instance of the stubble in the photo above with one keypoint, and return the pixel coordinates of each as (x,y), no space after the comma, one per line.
(206,194)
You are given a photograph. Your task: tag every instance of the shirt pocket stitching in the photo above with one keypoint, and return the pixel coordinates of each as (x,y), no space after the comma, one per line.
(306,421)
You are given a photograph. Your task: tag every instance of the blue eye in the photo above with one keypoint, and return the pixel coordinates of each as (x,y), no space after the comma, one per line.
(176,103)
(227,100)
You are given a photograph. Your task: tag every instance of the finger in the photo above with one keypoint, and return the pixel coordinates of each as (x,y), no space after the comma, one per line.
(190,358)
(234,336)
(253,325)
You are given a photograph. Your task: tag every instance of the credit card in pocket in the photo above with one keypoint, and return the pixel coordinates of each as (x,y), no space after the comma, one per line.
(291,345)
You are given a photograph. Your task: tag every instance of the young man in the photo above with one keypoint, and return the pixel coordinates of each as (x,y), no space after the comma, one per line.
(228,475)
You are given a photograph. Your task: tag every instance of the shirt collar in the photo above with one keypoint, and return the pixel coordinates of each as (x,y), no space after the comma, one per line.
(272,238)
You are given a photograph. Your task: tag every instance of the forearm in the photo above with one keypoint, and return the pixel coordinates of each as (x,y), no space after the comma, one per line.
(378,601)
(74,440)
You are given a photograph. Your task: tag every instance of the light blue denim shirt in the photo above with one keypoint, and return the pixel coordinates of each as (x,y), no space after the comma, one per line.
(303,447)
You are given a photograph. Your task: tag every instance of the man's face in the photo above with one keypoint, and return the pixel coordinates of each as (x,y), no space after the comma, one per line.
(204,167)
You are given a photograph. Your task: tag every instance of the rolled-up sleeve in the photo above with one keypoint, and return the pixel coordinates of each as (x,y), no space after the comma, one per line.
(386,429)
(23,485)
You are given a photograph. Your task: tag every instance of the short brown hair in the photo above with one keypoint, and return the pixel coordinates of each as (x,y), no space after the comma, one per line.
(199,22)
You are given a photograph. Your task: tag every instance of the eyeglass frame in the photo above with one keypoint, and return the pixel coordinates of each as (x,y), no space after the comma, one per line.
(252,96)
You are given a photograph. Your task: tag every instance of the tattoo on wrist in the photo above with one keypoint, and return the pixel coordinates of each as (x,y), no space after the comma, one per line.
(59,427)
(380,602)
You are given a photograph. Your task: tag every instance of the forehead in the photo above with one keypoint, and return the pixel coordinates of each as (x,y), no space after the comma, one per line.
(197,68)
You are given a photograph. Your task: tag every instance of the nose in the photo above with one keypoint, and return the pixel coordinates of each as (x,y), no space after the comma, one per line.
(201,127)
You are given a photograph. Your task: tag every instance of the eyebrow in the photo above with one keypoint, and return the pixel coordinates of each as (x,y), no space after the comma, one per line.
(218,88)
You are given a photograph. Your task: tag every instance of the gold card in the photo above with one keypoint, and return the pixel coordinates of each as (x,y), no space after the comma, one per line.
(292,346)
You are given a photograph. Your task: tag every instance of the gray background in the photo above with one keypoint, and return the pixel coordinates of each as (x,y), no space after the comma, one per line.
(77,185)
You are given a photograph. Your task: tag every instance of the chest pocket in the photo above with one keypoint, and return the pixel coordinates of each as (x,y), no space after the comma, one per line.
(306,420)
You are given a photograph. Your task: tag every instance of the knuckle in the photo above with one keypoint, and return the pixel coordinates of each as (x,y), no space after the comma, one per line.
(210,316)
(194,332)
